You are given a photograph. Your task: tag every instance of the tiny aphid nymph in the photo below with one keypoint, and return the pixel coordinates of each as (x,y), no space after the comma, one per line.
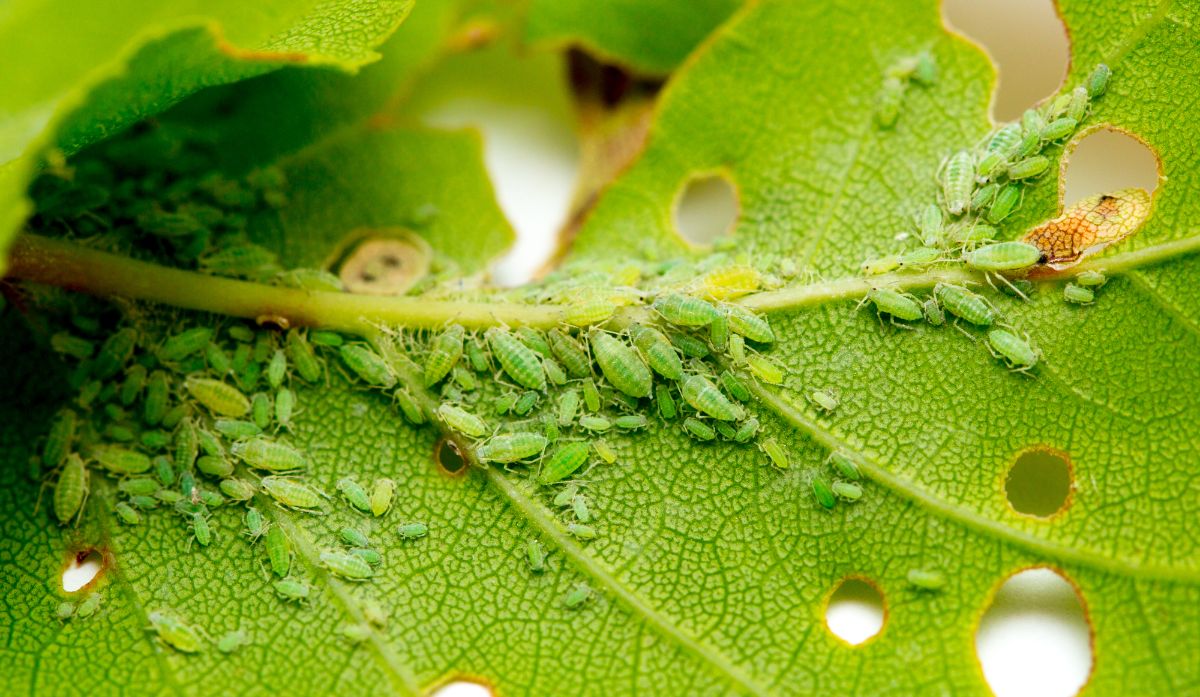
(958,181)
(660,354)
(381,496)
(291,493)
(412,531)
(220,398)
(926,579)
(346,565)
(175,633)
(354,494)
(1016,351)
(775,452)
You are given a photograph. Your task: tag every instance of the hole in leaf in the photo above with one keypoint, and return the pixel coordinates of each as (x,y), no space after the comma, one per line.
(1027,42)
(1106,160)
(706,210)
(448,457)
(855,612)
(1039,483)
(1034,638)
(462,688)
(82,570)
(383,262)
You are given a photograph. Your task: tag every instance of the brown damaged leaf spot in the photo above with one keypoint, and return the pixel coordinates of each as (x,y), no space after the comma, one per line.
(101,557)
(449,458)
(386,261)
(1090,226)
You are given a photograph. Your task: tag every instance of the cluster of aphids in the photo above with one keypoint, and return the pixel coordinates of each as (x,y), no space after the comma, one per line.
(980,188)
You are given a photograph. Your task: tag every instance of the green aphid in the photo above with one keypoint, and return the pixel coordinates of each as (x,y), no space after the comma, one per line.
(119,433)
(211,499)
(775,452)
(260,410)
(698,429)
(535,340)
(354,494)
(154,440)
(175,633)
(356,633)
(301,355)
(958,181)
(525,403)
(570,353)
(577,596)
(367,365)
(1078,295)
(746,430)
(554,372)
(463,421)
(926,579)
(734,386)
(381,496)
(114,354)
(621,365)
(242,259)
(241,333)
(933,312)
(131,386)
(718,333)
(631,422)
(220,398)
(965,304)
(665,402)
(164,471)
(71,345)
(154,406)
(847,491)
(765,369)
(209,444)
(232,641)
(844,466)
(88,393)
(1028,168)
(580,508)
(1016,351)
(1003,256)
(987,168)
(236,429)
(256,525)
(725,429)
(520,362)
(880,265)
(1059,128)
(370,556)
(564,497)
(127,514)
(465,379)
(595,424)
(658,351)
(705,397)
(568,407)
(737,349)
(184,344)
(930,224)
(322,337)
(137,486)
(409,407)
(120,460)
(588,311)
(823,492)
(444,353)
(591,395)
(511,447)
(563,462)
(214,466)
(285,405)
(582,531)
(887,102)
(168,496)
(604,451)
(1097,82)
(187,483)
(292,589)
(505,403)
(201,530)
(59,438)
(1005,140)
(291,493)
(89,606)
(1077,108)
(1005,203)
(171,417)
(64,611)
(685,310)
(279,550)
(690,346)
(1032,122)
(824,399)
(536,556)
(896,304)
(354,537)
(920,257)
(1091,279)
(476,356)
(412,531)
(277,369)
(237,489)
(264,454)
(753,327)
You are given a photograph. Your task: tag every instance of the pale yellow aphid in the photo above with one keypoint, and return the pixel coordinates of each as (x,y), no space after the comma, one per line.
(1090,226)
(728,282)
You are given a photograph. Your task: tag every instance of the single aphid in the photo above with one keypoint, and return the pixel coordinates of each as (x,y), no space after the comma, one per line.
(214,465)
(824,399)
(1077,109)
(370,556)
(240,333)
(844,466)
(64,611)
(1004,204)
(1059,128)
(279,550)
(237,489)
(631,422)
(718,333)
(569,353)
(277,369)
(887,102)
(511,447)
(155,440)
(765,369)
(127,514)
(211,499)
(367,365)
(746,430)
(1003,256)
(285,405)
(236,429)
(70,345)
(232,641)
(89,606)
(746,323)
(536,556)
(925,69)
(120,460)
(583,532)
(172,416)
(184,344)
(412,531)
(880,265)
(1028,168)
(444,353)
(154,405)
(964,304)
(520,362)
(604,451)
(1079,295)
(705,397)
(554,372)
(690,345)
(310,279)
(588,311)
(920,257)
(987,168)
(563,463)
(209,443)
(114,354)
(775,452)
(730,281)
(568,407)
(381,496)
(264,454)
(734,386)
(291,493)
(984,196)
(899,305)
(409,407)
(698,429)
(346,565)
(685,310)
(591,395)
(354,537)
(1014,350)
(476,356)
(823,492)
(131,387)
(1091,279)
(301,355)
(525,403)
(256,525)
(175,633)
(322,337)
(623,367)
(292,589)
(737,349)
(137,486)
(1097,82)
(59,438)
(930,224)
(665,402)
(566,496)
(656,348)
(926,579)
(1005,140)
(354,494)
(580,508)
(577,596)
(187,483)
(220,398)
(201,530)
(356,633)
(595,424)
(958,181)
(463,421)
(933,312)
(847,491)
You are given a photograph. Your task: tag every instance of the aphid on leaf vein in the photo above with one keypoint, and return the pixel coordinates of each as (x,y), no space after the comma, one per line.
(367,365)
(71,489)
(264,454)
(899,305)
(583,532)
(291,493)
(964,304)
(684,310)
(844,466)
(444,353)
(355,494)
(588,312)
(346,565)
(753,327)
(563,462)
(1003,256)
(308,366)
(462,420)
(1091,279)
(622,365)
(175,633)
(518,360)
(220,398)
(511,447)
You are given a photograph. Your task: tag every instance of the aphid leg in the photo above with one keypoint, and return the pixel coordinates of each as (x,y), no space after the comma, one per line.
(1006,282)
(965,332)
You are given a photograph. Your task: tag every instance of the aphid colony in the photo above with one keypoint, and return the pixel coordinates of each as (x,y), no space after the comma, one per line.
(980,188)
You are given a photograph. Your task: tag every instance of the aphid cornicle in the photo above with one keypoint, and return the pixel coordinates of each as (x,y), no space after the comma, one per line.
(300,353)
(355,494)
(563,462)
(753,327)
(520,362)
(279,550)
(264,454)
(892,302)
(412,531)
(1012,349)
(1003,256)
(462,420)
(622,365)
(685,310)
(175,633)
(381,496)
(698,429)
(346,565)
(367,365)
(59,438)
(705,397)
(511,447)
(958,181)
(658,351)
(964,304)
(219,397)
(569,353)
(444,353)
(291,493)
(71,489)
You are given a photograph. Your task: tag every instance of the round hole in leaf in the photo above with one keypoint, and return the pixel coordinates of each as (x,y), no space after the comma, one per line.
(855,611)
(706,209)
(448,457)
(1034,638)
(1106,160)
(386,261)
(462,688)
(1039,482)
(82,570)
